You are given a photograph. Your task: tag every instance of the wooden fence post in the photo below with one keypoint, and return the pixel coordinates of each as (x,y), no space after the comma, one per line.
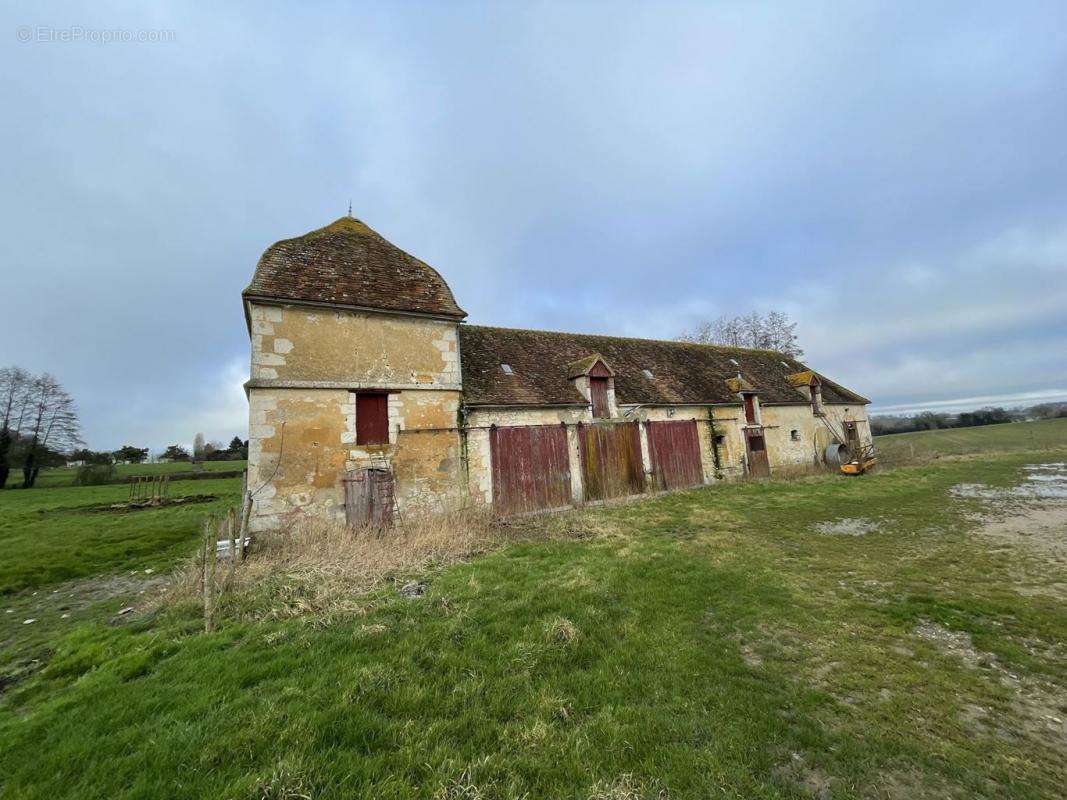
(210,557)
(242,533)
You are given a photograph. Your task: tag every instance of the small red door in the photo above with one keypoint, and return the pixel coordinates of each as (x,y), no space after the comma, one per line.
(372,418)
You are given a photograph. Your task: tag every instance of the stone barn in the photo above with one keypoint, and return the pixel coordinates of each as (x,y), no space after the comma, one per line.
(370,395)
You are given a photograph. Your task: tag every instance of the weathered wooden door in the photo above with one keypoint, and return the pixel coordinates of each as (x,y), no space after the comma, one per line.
(611,460)
(674,448)
(369,498)
(852,439)
(759,466)
(531,468)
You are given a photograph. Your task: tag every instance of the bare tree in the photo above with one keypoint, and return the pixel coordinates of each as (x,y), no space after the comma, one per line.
(771,332)
(14,398)
(198,447)
(52,423)
(781,334)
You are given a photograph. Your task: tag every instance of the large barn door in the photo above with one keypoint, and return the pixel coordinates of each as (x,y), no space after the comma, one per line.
(674,448)
(611,460)
(531,468)
(759,466)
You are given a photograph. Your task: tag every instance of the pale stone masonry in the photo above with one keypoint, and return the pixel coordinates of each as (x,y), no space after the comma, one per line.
(340,316)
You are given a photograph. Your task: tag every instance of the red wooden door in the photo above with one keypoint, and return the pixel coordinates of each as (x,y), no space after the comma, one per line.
(759,466)
(611,460)
(674,449)
(372,418)
(598,390)
(531,468)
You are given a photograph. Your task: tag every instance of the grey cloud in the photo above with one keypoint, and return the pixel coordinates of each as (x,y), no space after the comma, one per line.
(590,166)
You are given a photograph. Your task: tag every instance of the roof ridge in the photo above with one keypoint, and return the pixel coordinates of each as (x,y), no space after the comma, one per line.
(678,342)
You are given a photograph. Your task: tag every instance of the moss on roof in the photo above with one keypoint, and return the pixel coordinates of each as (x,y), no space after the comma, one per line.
(801,378)
(542,362)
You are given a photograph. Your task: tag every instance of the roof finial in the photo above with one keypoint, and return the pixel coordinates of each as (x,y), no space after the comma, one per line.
(350,207)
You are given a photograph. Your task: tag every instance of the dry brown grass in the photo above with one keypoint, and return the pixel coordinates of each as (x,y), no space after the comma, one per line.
(318,567)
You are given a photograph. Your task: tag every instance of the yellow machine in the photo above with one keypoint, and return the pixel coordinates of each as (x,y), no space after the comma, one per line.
(859,467)
(860,464)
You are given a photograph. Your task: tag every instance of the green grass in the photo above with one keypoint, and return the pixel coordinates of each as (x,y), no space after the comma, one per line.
(723,648)
(51,536)
(64,476)
(1009,437)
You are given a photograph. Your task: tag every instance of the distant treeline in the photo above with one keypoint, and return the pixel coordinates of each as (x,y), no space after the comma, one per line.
(933,420)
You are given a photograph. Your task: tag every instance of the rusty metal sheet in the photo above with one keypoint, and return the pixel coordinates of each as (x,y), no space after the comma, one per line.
(674,450)
(611,460)
(531,468)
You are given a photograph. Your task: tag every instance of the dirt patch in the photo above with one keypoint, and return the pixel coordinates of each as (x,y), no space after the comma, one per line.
(1034,707)
(859,526)
(628,787)
(1030,517)
(813,781)
(31,618)
(903,785)
(1043,527)
(954,643)
(122,508)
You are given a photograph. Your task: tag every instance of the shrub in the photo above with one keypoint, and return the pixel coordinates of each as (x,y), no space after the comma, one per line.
(94,474)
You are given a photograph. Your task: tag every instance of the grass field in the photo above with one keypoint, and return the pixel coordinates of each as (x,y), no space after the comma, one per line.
(64,476)
(872,637)
(1007,438)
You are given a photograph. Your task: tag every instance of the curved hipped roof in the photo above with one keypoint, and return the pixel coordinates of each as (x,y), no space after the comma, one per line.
(349,264)
(542,363)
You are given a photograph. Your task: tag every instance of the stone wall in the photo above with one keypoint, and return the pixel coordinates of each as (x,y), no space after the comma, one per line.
(306,365)
(308,346)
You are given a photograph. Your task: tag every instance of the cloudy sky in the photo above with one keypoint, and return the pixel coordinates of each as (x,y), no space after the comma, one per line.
(892,175)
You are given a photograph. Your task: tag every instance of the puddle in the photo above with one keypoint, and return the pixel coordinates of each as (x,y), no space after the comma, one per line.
(1038,486)
(848,527)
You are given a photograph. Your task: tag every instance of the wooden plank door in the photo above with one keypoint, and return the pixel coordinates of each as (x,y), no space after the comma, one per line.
(531,468)
(852,439)
(759,466)
(674,449)
(611,460)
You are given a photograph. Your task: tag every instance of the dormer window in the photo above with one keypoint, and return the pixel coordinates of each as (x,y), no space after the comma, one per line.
(595,380)
(598,394)
(751,409)
(647,373)
(815,388)
(507,369)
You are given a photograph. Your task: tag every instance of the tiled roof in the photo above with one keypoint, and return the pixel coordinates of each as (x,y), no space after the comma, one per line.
(348,264)
(682,373)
